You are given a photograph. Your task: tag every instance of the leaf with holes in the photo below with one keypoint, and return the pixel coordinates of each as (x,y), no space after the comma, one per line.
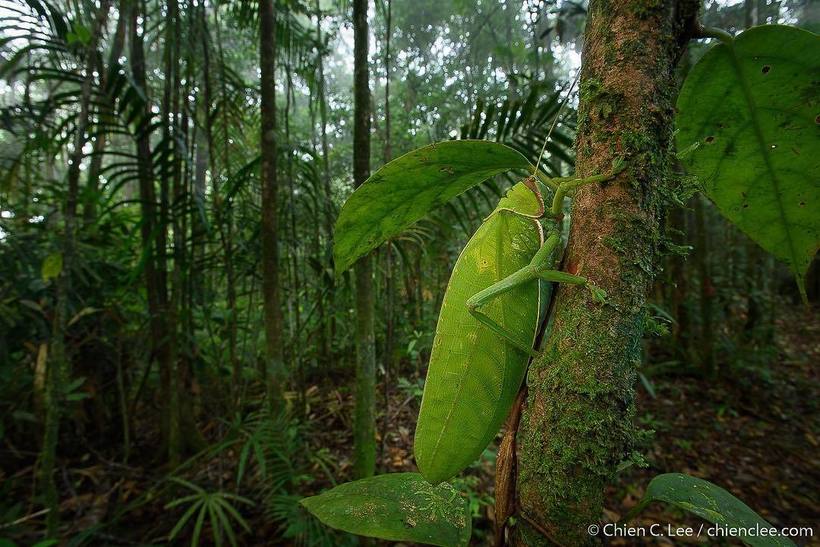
(409,187)
(751,110)
(395,507)
(712,503)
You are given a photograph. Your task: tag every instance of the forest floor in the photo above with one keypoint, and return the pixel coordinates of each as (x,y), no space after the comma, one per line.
(755,433)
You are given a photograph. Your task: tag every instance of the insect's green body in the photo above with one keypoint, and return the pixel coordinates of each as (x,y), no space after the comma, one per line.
(474,375)
(489,320)
(493,308)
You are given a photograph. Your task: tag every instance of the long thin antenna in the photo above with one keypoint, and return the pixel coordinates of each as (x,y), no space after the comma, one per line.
(555,120)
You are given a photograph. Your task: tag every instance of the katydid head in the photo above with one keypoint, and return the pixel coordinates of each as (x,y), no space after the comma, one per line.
(524,199)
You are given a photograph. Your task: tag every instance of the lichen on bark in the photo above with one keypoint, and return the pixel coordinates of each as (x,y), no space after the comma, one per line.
(576,426)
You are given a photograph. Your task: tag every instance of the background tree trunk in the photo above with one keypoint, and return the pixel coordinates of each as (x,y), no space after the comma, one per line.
(59,361)
(153,233)
(577,422)
(364,434)
(275,367)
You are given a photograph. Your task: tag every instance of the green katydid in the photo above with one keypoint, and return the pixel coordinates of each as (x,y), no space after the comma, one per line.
(493,307)
(490,316)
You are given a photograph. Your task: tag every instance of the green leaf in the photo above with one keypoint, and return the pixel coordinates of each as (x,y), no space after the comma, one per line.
(74,384)
(710,502)
(79,34)
(52,266)
(184,519)
(82,313)
(409,187)
(200,520)
(395,507)
(750,108)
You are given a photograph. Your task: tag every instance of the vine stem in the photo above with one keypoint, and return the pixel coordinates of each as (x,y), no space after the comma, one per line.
(714,32)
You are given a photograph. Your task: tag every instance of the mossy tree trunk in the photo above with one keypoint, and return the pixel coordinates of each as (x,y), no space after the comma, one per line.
(576,424)
(364,434)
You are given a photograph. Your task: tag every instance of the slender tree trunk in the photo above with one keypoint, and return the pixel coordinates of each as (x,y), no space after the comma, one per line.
(388,144)
(92,190)
(296,339)
(576,425)
(208,158)
(323,349)
(225,220)
(329,213)
(198,226)
(152,232)
(59,362)
(390,281)
(679,284)
(274,366)
(364,427)
(707,291)
(170,176)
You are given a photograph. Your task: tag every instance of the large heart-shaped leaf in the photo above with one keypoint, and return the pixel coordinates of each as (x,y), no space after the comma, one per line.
(714,504)
(409,187)
(395,507)
(751,108)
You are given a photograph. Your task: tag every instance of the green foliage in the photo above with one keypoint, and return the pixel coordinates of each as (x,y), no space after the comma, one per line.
(396,507)
(749,107)
(217,507)
(79,34)
(52,266)
(473,375)
(710,502)
(412,389)
(523,124)
(44,543)
(409,187)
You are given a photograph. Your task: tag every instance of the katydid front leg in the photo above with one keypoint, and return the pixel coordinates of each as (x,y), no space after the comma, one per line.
(540,267)
(568,185)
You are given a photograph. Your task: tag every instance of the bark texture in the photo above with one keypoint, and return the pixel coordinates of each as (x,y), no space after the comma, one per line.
(364,434)
(576,426)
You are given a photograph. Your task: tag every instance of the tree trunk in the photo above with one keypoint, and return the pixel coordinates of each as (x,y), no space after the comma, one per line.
(707,292)
(390,273)
(153,235)
(364,427)
(170,109)
(58,363)
(296,338)
(93,185)
(577,423)
(274,366)
(329,323)
(225,221)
